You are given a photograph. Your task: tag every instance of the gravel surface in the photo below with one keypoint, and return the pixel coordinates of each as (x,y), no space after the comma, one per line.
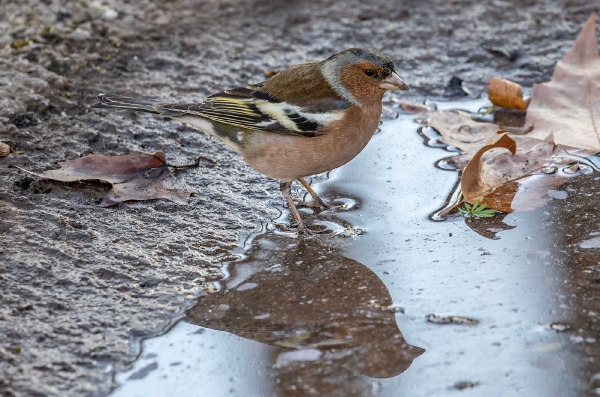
(80,285)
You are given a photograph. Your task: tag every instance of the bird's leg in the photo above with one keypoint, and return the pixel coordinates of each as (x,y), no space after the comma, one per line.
(286,192)
(314,194)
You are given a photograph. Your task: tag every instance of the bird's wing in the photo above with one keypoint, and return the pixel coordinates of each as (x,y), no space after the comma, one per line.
(252,108)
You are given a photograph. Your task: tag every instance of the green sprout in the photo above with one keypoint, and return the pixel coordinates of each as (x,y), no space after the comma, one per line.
(476,210)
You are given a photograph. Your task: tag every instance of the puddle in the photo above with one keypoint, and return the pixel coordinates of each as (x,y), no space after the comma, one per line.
(409,307)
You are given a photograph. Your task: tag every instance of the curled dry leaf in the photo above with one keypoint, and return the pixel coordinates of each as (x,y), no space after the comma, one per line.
(135,176)
(569,105)
(478,180)
(513,181)
(506,94)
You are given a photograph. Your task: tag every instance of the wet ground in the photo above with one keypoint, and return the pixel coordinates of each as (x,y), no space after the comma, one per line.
(411,307)
(82,286)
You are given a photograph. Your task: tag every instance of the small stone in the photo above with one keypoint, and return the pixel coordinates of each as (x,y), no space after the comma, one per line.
(20,43)
(114,41)
(436,319)
(464,385)
(110,14)
(25,120)
(395,309)
(455,88)
(4,149)
(558,327)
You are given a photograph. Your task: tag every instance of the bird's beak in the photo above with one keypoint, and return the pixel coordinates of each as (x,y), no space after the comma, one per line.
(394,83)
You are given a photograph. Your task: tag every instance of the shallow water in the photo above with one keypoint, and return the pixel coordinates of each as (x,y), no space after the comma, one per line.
(347,314)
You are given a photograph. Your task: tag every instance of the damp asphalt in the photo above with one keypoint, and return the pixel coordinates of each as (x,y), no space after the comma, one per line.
(84,290)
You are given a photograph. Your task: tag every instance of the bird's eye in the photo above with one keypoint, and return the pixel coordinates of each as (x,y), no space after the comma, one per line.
(370,72)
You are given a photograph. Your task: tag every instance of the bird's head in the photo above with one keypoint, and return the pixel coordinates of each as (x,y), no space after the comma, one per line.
(361,75)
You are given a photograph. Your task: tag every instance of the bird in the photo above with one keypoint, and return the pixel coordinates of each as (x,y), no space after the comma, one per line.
(304,120)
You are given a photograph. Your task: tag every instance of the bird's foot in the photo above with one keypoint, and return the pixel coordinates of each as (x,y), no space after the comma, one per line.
(323,204)
(318,202)
(313,204)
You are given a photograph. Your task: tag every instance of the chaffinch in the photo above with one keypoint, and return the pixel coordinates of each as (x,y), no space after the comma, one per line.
(304,120)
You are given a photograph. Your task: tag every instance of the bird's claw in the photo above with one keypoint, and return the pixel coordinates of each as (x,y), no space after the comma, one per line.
(314,204)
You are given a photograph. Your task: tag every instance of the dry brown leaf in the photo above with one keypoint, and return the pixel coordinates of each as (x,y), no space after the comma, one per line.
(111,169)
(458,129)
(476,182)
(508,182)
(135,176)
(569,105)
(492,175)
(158,183)
(506,94)
(565,113)
(501,197)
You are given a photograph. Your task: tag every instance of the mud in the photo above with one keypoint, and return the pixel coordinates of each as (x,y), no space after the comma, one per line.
(81,285)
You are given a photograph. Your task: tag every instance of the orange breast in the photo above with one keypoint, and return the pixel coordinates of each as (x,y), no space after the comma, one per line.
(286,157)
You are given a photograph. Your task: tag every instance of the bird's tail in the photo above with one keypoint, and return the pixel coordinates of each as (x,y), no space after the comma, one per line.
(123,102)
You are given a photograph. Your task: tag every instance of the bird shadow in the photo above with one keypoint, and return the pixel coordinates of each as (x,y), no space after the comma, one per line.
(330,316)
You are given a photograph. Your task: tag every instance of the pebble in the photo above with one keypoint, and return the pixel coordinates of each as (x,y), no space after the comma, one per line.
(558,327)
(4,149)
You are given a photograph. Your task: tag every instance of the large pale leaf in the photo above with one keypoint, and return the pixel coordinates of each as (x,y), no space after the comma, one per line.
(569,105)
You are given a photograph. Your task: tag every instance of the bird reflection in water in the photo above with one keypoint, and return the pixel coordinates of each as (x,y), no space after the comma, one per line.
(328,313)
